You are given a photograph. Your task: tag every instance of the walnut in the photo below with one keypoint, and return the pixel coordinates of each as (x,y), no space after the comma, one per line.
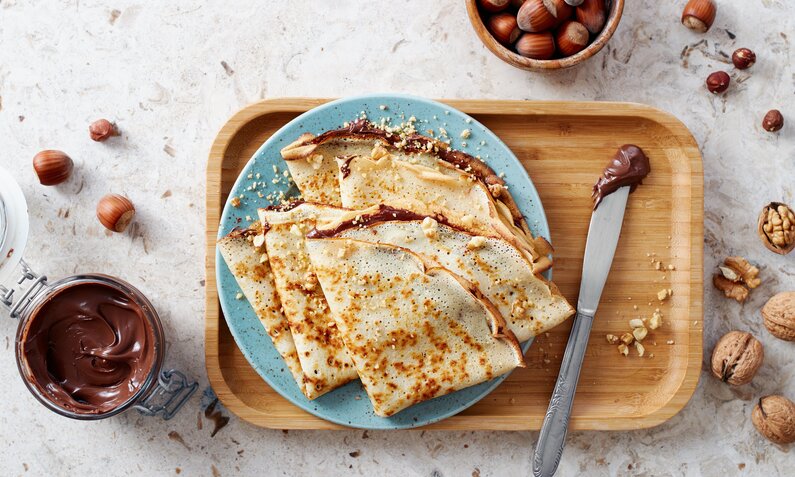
(737,357)
(774,418)
(779,315)
(736,277)
(777,228)
(612,339)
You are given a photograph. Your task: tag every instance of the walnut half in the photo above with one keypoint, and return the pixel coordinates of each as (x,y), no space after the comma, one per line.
(737,357)
(777,228)
(736,277)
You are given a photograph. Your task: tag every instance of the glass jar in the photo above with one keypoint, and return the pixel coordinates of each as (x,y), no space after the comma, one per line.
(24,293)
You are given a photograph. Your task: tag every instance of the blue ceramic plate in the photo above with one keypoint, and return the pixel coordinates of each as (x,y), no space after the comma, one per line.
(349,405)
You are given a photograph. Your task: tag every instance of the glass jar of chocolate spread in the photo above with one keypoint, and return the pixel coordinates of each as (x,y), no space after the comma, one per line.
(87,346)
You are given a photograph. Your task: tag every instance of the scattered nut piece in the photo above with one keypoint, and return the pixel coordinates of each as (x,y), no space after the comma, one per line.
(670,342)
(656,320)
(466,134)
(102,129)
(736,277)
(639,348)
(774,418)
(52,167)
(115,212)
(749,274)
(612,339)
(259,240)
(239,296)
(636,323)
(779,315)
(663,294)
(737,357)
(430,227)
(730,289)
(235,202)
(627,338)
(476,243)
(639,334)
(622,348)
(773,121)
(776,228)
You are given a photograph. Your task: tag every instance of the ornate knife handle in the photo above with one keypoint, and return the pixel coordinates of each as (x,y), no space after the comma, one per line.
(552,438)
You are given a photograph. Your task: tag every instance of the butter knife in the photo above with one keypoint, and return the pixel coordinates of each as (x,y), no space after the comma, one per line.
(600,246)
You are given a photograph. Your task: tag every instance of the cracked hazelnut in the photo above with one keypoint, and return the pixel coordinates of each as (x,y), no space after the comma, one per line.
(743,58)
(737,357)
(592,14)
(494,6)
(776,228)
(102,129)
(774,418)
(503,28)
(115,212)
(52,167)
(718,82)
(773,121)
(699,15)
(572,38)
(539,46)
(779,315)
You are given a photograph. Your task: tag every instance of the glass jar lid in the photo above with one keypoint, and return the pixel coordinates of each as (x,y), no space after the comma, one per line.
(13,225)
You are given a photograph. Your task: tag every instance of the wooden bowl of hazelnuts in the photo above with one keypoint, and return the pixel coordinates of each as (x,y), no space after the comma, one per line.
(544,34)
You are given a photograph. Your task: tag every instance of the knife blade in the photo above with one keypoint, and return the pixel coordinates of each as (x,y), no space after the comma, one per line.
(600,247)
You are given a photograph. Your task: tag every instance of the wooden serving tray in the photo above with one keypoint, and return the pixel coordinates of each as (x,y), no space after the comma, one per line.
(564,146)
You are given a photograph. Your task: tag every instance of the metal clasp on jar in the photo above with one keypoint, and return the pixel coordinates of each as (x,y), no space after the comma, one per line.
(28,291)
(172,391)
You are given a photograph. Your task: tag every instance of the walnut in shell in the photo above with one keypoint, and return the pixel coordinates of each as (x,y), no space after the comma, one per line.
(774,418)
(737,357)
(777,228)
(779,315)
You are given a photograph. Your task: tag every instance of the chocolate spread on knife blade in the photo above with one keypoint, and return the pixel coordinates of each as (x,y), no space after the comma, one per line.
(89,348)
(628,167)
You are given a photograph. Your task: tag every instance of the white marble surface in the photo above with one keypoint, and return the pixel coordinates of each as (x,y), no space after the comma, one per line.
(156,69)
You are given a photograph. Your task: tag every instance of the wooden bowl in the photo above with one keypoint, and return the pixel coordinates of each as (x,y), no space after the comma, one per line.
(510,56)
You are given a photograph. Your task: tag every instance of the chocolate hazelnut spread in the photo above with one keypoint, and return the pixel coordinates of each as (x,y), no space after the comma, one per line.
(88,348)
(628,167)
(385,213)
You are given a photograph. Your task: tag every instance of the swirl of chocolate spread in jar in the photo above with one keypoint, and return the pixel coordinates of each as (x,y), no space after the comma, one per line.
(628,167)
(89,348)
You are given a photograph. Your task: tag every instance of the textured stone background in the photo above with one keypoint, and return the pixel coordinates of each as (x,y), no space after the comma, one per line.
(156,69)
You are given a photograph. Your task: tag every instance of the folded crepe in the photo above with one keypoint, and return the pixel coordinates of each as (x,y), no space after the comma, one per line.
(311,161)
(447,194)
(249,265)
(414,329)
(530,304)
(324,360)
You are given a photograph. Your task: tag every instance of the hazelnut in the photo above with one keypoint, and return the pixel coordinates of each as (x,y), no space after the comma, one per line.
(776,228)
(743,58)
(115,212)
(535,17)
(774,418)
(698,15)
(718,82)
(559,9)
(779,315)
(494,6)
(737,357)
(101,129)
(773,121)
(52,167)
(539,46)
(504,28)
(572,38)
(592,14)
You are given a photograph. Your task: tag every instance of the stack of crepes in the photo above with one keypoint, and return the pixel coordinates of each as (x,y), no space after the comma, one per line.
(407,265)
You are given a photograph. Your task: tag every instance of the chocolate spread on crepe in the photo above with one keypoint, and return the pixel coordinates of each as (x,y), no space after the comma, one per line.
(628,167)
(89,348)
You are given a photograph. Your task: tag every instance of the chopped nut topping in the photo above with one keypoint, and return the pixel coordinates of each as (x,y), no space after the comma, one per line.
(656,320)
(612,339)
(476,243)
(468,220)
(639,333)
(259,240)
(466,134)
(663,294)
(636,323)
(315,160)
(622,348)
(640,349)
(239,296)
(235,202)
(430,227)
(627,338)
